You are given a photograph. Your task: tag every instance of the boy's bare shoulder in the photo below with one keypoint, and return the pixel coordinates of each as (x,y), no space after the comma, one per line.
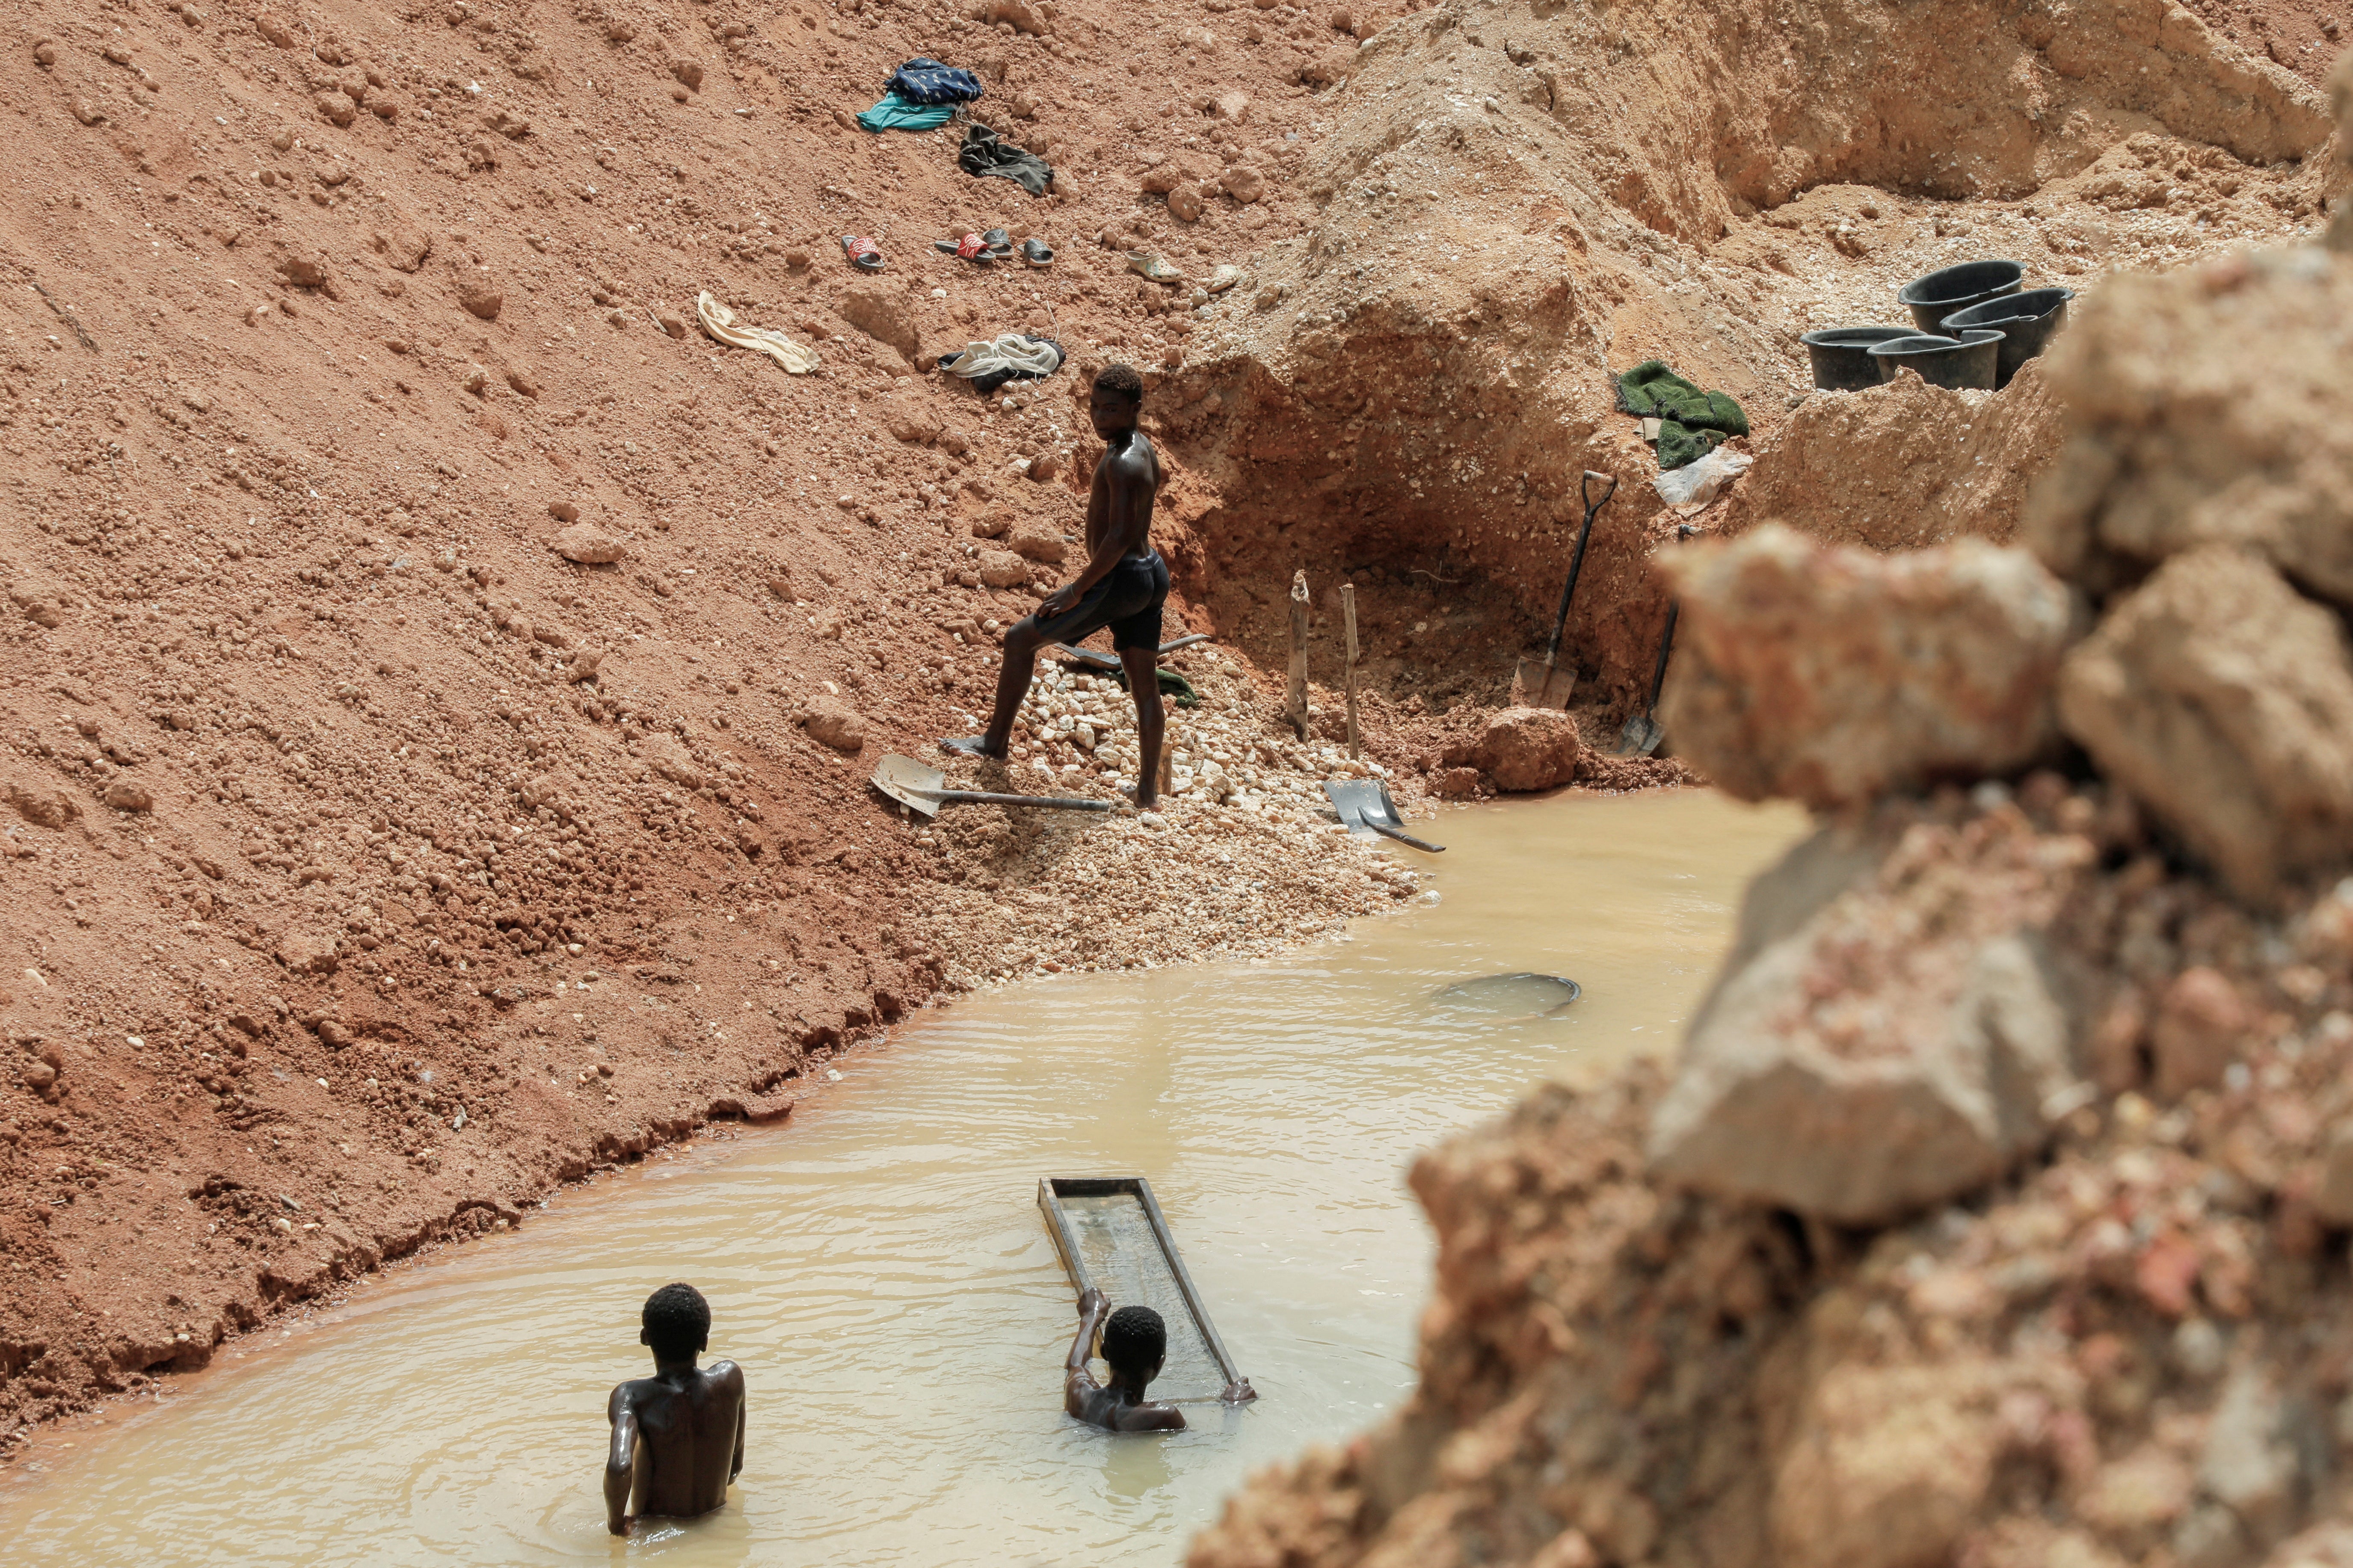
(1138,460)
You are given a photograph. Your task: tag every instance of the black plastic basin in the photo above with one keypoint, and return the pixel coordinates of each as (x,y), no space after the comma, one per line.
(2025,321)
(1960,364)
(1841,356)
(1940,293)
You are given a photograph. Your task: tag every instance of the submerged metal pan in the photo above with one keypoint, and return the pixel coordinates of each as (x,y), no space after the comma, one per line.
(1523,994)
(1364,806)
(924,790)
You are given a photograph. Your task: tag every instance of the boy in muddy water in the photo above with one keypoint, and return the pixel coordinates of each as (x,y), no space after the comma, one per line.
(1124,586)
(677,1435)
(1135,1344)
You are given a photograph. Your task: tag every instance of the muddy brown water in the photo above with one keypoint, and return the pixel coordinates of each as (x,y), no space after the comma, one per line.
(880,1267)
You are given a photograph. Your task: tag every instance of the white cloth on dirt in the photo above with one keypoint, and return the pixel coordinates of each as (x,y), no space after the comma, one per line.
(719,323)
(1695,484)
(1014,353)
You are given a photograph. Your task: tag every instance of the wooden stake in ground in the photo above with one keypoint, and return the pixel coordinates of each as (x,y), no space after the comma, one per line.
(1295,705)
(1349,612)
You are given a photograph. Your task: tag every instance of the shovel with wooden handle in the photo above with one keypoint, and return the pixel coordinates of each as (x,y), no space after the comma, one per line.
(1543,684)
(924,790)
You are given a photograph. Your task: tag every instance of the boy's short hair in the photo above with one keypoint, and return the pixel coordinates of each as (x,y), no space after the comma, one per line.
(1122,379)
(1134,1340)
(677,1321)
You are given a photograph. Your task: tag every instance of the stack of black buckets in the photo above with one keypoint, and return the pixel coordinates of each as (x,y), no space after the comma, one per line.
(1974,326)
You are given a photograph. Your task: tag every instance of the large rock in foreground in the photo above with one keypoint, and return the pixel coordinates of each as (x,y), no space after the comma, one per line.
(2222,698)
(2212,408)
(1886,1034)
(1834,676)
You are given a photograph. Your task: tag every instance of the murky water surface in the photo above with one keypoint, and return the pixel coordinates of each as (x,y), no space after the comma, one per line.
(880,1267)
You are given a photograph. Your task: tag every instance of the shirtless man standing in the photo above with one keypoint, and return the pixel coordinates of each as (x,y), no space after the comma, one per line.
(1135,1344)
(1124,586)
(677,1435)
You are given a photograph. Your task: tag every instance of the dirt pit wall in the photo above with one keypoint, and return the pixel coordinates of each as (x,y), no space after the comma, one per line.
(1514,202)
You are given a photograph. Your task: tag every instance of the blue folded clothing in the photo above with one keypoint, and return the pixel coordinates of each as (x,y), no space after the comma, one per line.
(925,80)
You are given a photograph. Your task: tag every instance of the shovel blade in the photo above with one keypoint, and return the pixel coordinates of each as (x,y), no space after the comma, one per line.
(1537,684)
(1641,735)
(1352,801)
(910,782)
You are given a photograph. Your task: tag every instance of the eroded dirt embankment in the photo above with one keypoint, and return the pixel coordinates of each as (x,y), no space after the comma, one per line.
(357,834)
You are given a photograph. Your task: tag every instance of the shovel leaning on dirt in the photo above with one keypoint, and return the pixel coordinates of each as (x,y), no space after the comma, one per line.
(1641,733)
(1539,683)
(924,790)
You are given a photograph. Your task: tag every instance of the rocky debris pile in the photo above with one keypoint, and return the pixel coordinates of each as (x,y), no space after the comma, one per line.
(1242,856)
(1995,1210)
(1076,726)
(1030,893)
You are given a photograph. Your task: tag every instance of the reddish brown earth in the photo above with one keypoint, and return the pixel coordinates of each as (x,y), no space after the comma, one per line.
(278,515)
(371,866)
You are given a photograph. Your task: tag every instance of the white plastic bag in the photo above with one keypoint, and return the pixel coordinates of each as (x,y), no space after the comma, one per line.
(1696,484)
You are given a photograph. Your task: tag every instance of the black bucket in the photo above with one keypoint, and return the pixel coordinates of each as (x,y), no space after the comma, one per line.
(1938,295)
(2025,321)
(1841,357)
(1963,364)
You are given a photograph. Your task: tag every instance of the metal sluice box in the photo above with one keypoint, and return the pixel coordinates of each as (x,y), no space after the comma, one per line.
(1113,1239)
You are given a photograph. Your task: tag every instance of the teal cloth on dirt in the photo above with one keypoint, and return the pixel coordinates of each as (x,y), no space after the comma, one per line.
(1692,423)
(896,112)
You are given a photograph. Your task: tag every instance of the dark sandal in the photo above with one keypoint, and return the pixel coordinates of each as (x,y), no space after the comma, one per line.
(1037,253)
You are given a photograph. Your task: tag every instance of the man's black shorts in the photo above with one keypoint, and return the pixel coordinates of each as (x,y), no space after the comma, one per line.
(1127,600)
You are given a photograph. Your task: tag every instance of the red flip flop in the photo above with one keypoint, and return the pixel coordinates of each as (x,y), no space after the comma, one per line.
(971,247)
(863,253)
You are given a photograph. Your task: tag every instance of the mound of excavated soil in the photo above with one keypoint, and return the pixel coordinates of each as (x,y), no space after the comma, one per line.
(1903,466)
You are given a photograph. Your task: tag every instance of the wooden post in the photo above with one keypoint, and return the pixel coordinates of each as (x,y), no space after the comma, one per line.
(1294,706)
(1348,612)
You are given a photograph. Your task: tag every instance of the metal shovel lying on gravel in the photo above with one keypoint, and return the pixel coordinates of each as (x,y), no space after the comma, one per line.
(1364,806)
(924,790)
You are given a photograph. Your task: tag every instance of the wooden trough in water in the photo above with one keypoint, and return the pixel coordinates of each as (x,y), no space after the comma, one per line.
(1113,1239)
